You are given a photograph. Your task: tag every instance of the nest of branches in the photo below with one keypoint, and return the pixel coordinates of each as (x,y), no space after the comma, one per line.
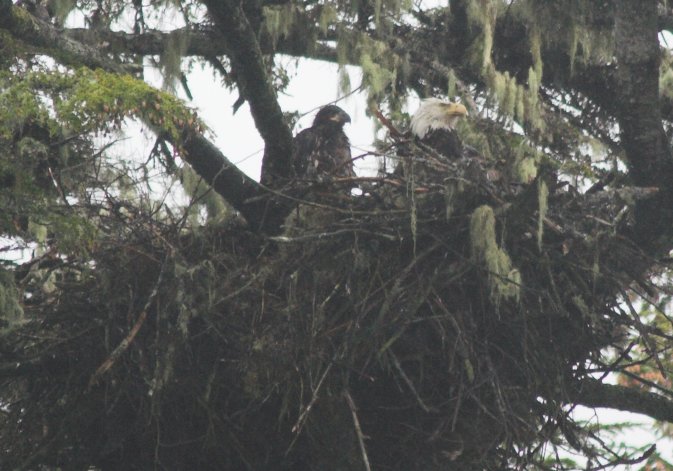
(441,318)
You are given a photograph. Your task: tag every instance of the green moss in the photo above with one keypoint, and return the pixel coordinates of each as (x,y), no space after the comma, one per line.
(97,100)
(19,104)
(504,280)
(22,21)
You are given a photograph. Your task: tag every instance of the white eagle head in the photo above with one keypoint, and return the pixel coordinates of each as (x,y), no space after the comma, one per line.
(436,114)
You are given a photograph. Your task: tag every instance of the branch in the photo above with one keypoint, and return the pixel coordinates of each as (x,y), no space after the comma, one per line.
(595,81)
(593,393)
(206,160)
(637,91)
(264,214)
(255,86)
(639,115)
(202,43)
(44,36)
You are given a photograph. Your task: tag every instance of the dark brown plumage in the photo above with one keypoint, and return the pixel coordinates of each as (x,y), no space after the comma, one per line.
(323,150)
(444,141)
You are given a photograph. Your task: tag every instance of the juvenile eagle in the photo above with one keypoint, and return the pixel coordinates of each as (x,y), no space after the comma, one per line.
(323,149)
(434,125)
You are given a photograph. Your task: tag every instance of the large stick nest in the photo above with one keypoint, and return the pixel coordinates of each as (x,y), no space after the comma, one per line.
(435,321)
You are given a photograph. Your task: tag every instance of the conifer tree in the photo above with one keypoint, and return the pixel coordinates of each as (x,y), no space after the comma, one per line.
(448,315)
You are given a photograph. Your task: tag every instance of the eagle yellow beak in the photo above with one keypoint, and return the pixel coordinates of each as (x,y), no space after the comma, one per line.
(456,109)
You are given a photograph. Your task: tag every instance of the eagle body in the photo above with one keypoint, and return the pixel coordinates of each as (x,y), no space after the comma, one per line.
(323,150)
(433,125)
(444,141)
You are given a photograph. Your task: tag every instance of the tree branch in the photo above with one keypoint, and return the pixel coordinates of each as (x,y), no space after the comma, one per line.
(242,192)
(202,43)
(602,83)
(638,112)
(637,91)
(43,35)
(264,214)
(593,393)
(255,86)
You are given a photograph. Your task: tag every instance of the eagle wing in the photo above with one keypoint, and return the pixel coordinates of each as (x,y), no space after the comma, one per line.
(318,154)
(444,141)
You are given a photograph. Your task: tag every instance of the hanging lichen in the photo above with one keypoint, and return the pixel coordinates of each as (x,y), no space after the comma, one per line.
(452,190)
(374,75)
(666,75)
(483,13)
(344,80)
(543,201)
(171,58)
(535,42)
(11,312)
(279,20)
(381,67)
(524,168)
(504,280)
(451,81)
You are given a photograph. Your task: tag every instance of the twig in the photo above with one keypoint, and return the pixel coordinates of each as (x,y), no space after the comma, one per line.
(593,393)
(642,330)
(394,132)
(296,429)
(648,383)
(124,344)
(358,430)
(407,380)
(325,235)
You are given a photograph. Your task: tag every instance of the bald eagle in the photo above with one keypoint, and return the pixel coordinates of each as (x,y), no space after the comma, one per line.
(434,125)
(323,150)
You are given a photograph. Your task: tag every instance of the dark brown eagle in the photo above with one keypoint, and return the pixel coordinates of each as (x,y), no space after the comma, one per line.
(434,125)
(323,150)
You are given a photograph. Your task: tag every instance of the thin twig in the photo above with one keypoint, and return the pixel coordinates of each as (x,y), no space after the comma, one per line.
(126,343)
(296,429)
(358,430)
(649,344)
(410,384)
(325,235)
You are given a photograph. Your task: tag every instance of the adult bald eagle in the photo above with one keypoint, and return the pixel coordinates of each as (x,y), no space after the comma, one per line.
(434,125)
(323,150)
